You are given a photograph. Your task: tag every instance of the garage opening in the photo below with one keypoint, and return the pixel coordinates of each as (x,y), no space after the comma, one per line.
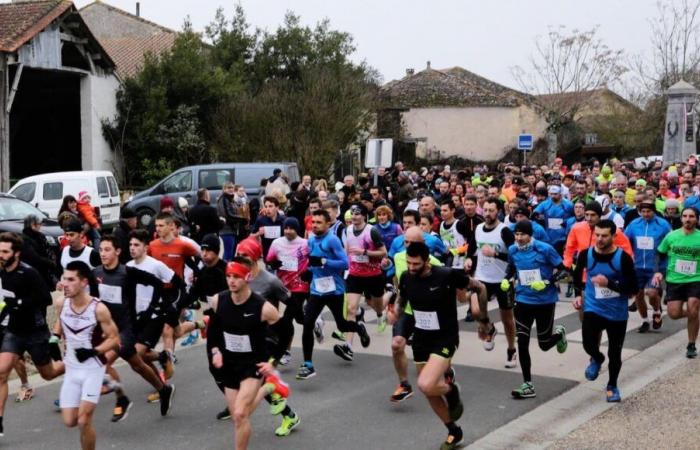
(45,123)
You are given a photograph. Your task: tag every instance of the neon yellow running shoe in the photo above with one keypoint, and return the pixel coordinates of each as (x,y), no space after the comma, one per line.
(288,424)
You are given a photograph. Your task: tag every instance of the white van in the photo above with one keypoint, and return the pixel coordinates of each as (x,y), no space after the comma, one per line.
(46,192)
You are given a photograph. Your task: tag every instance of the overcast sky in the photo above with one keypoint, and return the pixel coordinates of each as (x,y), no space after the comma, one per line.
(485,36)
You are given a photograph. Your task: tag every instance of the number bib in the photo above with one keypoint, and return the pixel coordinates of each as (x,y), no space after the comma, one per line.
(272,232)
(554,224)
(645,243)
(110,294)
(686,267)
(289,263)
(237,343)
(142,304)
(360,258)
(605,292)
(426,320)
(325,285)
(527,277)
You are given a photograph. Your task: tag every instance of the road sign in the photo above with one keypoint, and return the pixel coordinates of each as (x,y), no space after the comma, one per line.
(378,153)
(525,142)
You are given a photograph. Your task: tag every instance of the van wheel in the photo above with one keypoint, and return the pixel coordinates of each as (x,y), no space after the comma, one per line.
(145,216)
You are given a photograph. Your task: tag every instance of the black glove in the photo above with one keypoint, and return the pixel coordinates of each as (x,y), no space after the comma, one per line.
(562,274)
(275,265)
(12,302)
(83,354)
(315,261)
(55,348)
(306,276)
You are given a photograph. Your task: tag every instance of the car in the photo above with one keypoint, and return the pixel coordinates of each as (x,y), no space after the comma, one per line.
(13,211)
(185,183)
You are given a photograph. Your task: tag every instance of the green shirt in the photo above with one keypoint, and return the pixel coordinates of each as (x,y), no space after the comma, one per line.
(401,266)
(683,256)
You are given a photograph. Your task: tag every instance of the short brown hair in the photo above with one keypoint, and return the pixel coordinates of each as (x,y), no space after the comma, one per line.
(14,239)
(384,210)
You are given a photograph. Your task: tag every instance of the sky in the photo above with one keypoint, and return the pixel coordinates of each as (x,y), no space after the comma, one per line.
(487,37)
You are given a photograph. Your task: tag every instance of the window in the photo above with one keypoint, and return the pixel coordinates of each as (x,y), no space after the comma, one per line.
(250,177)
(102,190)
(179,182)
(113,188)
(25,191)
(53,191)
(214,179)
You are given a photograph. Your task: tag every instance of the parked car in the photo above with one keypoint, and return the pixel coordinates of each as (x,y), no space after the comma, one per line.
(13,211)
(186,181)
(46,192)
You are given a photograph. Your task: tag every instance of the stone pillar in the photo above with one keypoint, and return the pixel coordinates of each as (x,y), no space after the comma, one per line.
(679,131)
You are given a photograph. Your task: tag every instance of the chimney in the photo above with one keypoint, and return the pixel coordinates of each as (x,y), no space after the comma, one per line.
(138,9)
(428,65)
(410,71)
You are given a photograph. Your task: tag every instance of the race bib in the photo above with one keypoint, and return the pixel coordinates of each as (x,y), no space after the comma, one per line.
(426,320)
(645,243)
(554,224)
(487,261)
(272,232)
(527,277)
(237,343)
(142,304)
(325,285)
(686,267)
(110,294)
(289,263)
(604,292)
(359,258)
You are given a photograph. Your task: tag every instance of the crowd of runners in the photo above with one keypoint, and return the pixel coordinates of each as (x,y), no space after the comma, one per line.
(244,273)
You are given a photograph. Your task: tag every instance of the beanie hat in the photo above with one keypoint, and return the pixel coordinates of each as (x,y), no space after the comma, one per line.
(595,207)
(250,247)
(82,195)
(166,202)
(291,222)
(524,226)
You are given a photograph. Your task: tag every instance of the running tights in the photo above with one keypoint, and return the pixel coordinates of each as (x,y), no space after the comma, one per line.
(313,309)
(593,326)
(525,316)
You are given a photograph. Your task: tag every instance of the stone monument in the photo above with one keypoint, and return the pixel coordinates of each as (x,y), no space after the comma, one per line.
(679,131)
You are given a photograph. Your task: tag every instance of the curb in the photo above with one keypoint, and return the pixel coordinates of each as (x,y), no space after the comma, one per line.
(555,419)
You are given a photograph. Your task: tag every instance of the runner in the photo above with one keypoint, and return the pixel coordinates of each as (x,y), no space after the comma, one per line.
(453,233)
(77,249)
(609,281)
(645,234)
(25,296)
(431,292)
(683,277)
(536,296)
(268,225)
(554,212)
(89,333)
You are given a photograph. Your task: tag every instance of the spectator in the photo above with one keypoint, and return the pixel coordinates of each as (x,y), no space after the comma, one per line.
(127,223)
(203,217)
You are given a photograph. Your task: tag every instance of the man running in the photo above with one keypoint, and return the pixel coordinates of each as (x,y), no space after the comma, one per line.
(609,281)
(89,333)
(453,233)
(682,276)
(77,249)
(533,263)
(554,212)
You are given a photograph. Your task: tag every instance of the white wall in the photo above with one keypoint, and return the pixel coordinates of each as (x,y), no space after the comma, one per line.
(98,101)
(477,133)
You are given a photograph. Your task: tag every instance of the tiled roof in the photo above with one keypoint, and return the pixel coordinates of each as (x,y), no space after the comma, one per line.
(449,87)
(126,37)
(20,22)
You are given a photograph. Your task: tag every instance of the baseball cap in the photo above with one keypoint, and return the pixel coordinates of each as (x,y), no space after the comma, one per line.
(554,189)
(73,225)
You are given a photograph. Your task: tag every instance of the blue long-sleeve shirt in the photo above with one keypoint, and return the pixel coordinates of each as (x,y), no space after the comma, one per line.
(645,237)
(328,278)
(554,217)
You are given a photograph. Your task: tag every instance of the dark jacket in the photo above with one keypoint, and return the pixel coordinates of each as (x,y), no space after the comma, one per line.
(121,232)
(203,220)
(35,252)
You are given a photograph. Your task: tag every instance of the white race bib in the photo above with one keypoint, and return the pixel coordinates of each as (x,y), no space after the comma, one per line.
(645,243)
(487,261)
(142,304)
(324,285)
(554,224)
(237,343)
(272,232)
(604,292)
(426,320)
(359,258)
(686,267)
(289,263)
(527,277)
(110,294)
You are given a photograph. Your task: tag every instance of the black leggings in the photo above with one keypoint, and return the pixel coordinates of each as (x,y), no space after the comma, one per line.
(593,326)
(284,328)
(525,316)
(313,309)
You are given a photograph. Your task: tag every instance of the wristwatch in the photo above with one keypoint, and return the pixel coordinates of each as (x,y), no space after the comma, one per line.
(323,261)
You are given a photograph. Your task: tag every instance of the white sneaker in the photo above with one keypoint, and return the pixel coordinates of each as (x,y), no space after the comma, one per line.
(318,330)
(511,362)
(490,340)
(286,358)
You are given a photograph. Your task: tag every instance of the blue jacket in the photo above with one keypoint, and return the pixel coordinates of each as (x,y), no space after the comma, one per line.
(537,231)
(328,246)
(554,218)
(639,231)
(538,261)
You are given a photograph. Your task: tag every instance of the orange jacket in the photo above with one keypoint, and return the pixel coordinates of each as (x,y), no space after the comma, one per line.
(87,213)
(581,237)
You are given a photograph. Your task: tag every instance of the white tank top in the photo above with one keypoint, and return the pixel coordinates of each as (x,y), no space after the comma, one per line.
(84,256)
(453,239)
(81,330)
(490,269)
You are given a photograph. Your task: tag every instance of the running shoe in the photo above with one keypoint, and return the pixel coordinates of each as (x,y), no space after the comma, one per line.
(690,351)
(25,393)
(153,397)
(166,361)
(223,415)
(454,403)
(593,370)
(338,335)
(570,291)
(612,394)
(2,430)
(288,424)
(57,405)
(469,317)
(277,404)
(191,338)
(306,371)
(286,358)
(453,441)
(450,375)
(121,410)
(656,320)
(525,390)
(166,399)
(644,327)
(490,339)
(318,330)
(362,332)
(562,344)
(174,358)
(389,287)
(381,323)
(632,307)
(343,351)
(360,315)
(402,392)
(511,358)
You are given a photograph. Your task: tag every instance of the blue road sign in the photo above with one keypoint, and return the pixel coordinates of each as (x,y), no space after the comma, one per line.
(525,142)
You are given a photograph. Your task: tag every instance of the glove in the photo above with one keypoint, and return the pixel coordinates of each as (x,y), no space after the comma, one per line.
(306,277)
(83,354)
(275,265)
(315,261)
(561,275)
(505,285)
(12,302)
(55,348)
(538,285)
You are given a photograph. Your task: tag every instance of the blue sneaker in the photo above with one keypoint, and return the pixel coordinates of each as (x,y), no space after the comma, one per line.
(613,394)
(593,370)
(190,339)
